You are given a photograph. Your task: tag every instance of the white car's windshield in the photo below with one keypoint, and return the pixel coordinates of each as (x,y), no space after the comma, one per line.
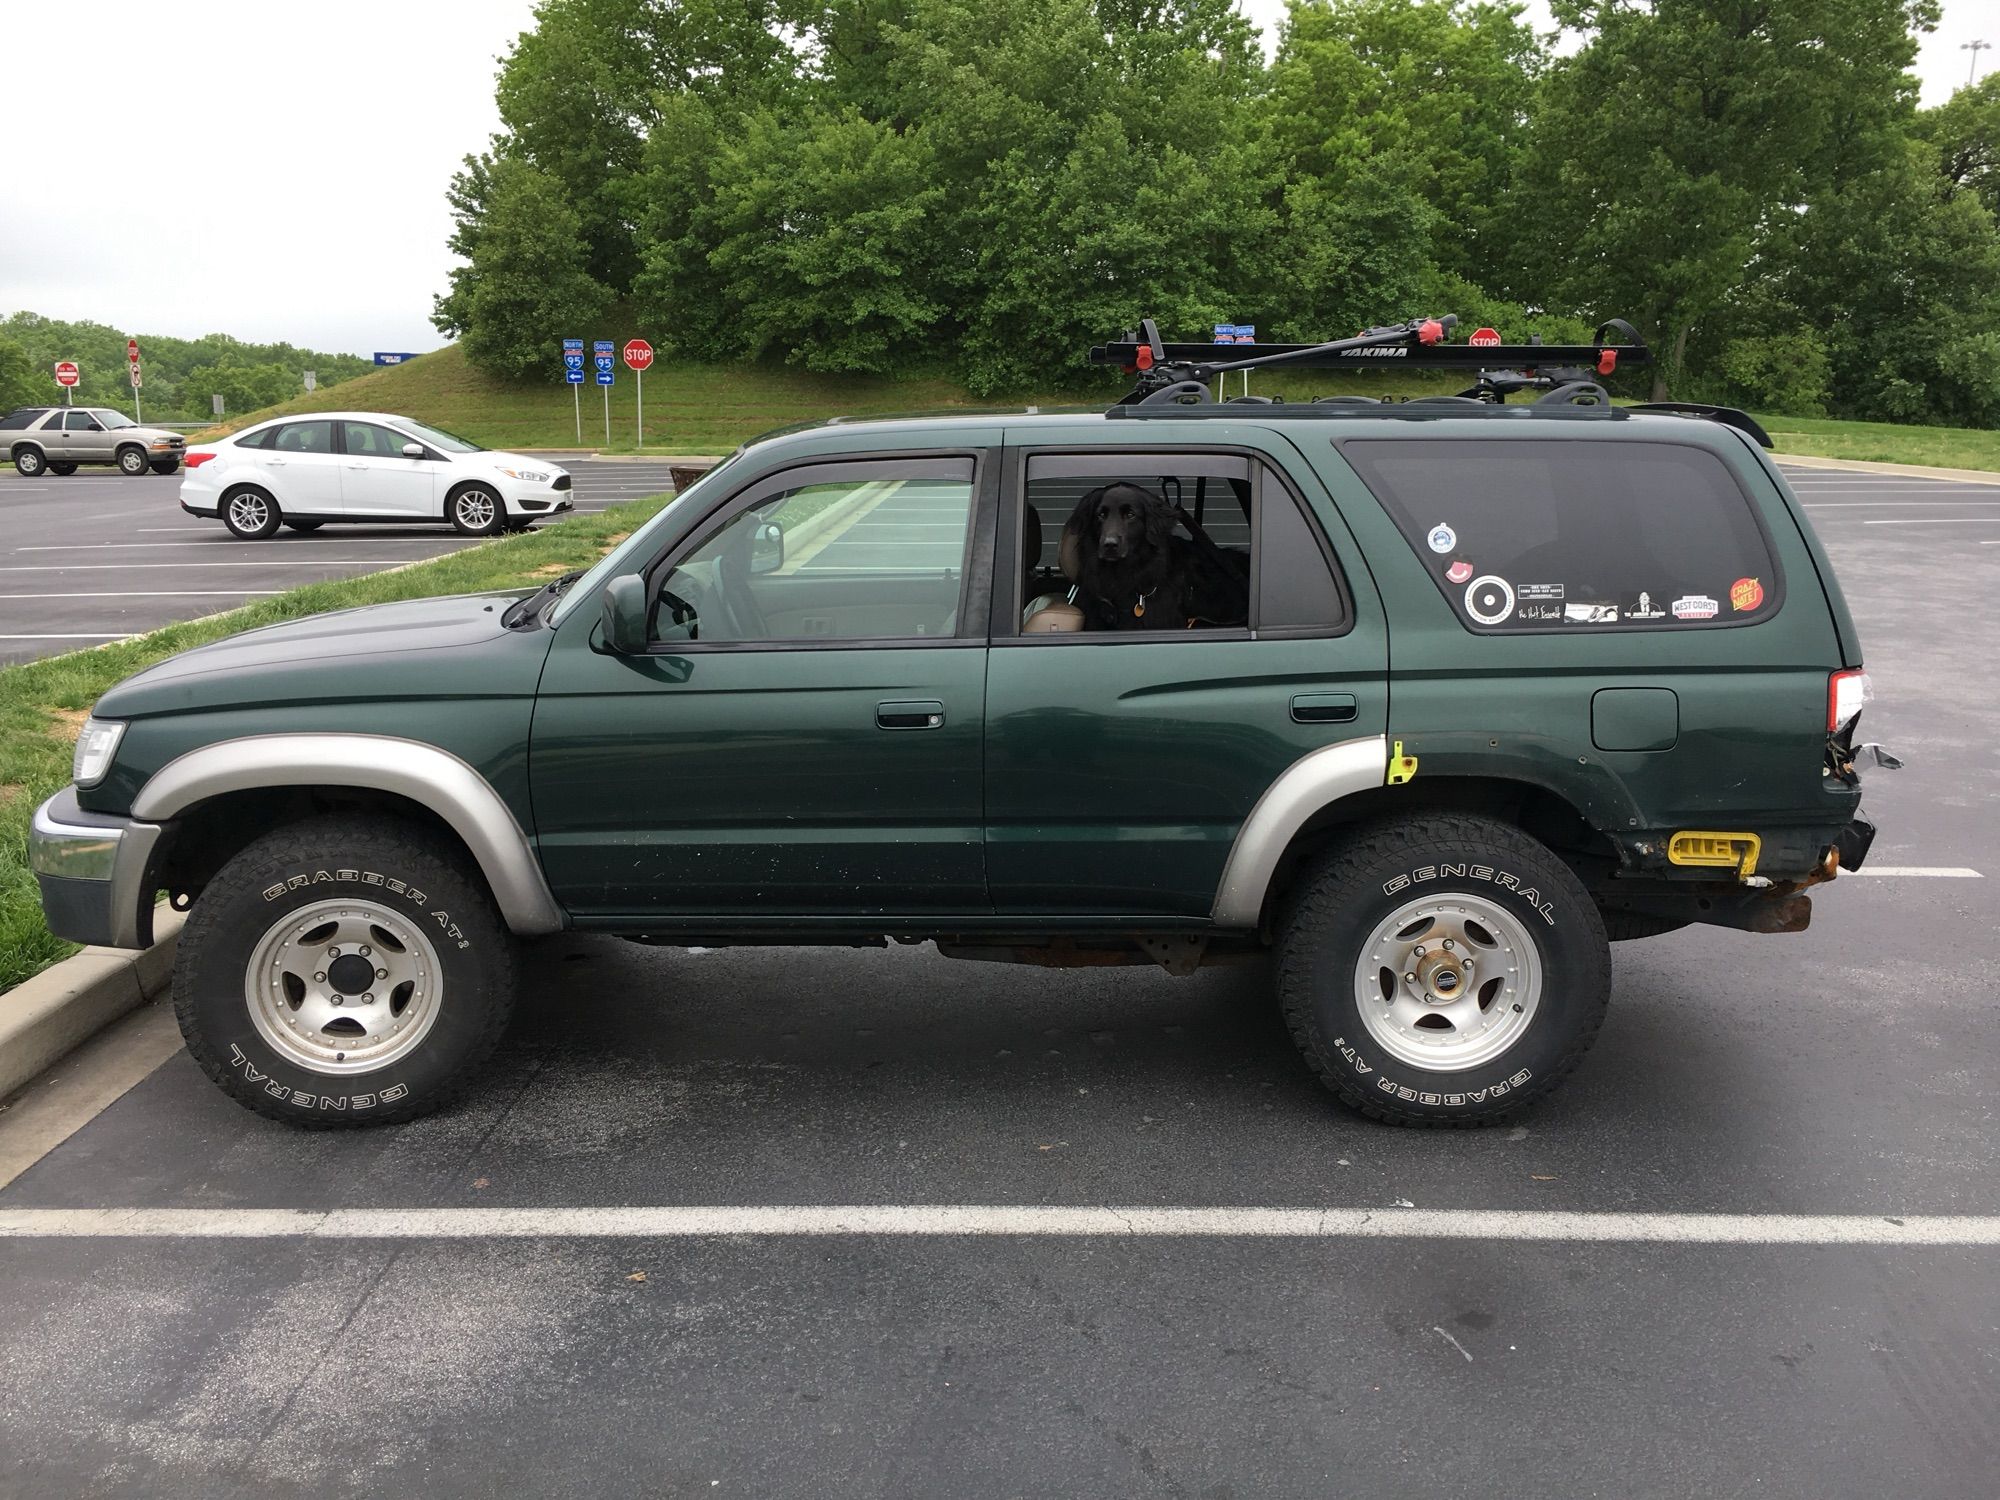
(113,418)
(444,442)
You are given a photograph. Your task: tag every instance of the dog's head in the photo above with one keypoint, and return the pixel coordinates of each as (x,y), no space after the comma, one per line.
(1116,522)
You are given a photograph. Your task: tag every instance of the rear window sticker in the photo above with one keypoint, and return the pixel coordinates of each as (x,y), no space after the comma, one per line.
(1442,538)
(1459,571)
(1526,591)
(1591,614)
(1695,607)
(1541,614)
(1647,610)
(1489,600)
(1746,594)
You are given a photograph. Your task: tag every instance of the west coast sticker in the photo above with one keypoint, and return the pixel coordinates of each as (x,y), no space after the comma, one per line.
(1459,571)
(1590,614)
(1746,594)
(1442,538)
(1695,607)
(1489,600)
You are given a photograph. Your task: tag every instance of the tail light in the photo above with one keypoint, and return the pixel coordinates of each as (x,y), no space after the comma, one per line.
(197,459)
(1845,693)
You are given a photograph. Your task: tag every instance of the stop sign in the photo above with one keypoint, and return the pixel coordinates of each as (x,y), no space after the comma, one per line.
(67,373)
(1484,338)
(638,354)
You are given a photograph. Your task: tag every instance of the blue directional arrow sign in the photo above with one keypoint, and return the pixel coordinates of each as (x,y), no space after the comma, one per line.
(574,375)
(604,376)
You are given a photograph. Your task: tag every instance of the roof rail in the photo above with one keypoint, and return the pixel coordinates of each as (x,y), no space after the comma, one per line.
(1179,373)
(1728,416)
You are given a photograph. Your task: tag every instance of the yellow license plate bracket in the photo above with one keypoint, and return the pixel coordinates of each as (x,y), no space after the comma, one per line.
(1722,851)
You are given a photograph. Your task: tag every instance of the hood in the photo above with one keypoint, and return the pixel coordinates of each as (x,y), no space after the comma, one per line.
(374,652)
(501,458)
(150,434)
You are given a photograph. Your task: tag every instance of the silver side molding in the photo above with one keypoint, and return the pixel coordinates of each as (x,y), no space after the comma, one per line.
(1308,784)
(425,774)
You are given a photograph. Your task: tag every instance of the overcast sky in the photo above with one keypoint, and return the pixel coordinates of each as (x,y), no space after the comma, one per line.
(276,170)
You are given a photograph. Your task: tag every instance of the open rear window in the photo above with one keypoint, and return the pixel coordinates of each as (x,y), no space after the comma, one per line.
(1528,535)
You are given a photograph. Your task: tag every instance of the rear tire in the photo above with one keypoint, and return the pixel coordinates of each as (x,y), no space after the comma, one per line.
(344,971)
(64,470)
(1442,970)
(132,462)
(29,461)
(171,466)
(250,514)
(476,510)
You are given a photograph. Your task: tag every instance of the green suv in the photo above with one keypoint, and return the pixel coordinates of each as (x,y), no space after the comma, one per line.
(1500,685)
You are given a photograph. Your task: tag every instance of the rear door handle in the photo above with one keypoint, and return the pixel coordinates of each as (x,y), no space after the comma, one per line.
(920,714)
(1323,708)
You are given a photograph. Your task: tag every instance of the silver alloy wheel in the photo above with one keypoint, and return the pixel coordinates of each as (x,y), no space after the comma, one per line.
(343,987)
(1448,982)
(132,461)
(475,509)
(249,511)
(29,462)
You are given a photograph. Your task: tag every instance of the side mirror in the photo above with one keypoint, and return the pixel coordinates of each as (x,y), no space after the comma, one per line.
(624,606)
(413,450)
(767,548)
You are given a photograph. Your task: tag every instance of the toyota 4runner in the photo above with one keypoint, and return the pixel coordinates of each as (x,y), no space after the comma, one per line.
(1508,683)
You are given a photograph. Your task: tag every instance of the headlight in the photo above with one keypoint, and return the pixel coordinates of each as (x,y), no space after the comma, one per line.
(95,747)
(533,476)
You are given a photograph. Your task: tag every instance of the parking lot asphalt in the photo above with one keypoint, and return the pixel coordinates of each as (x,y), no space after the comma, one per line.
(97,556)
(555,1347)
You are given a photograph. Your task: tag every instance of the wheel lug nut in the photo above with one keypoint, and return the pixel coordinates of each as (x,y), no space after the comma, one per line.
(1420,950)
(1409,979)
(367,999)
(364,950)
(337,1000)
(333,953)
(1447,943)
(319,979)
(381,973)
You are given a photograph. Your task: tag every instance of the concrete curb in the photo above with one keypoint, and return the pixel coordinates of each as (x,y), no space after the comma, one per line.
(45,1018)
(1909,471)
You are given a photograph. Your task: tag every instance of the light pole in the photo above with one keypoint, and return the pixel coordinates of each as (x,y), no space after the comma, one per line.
(1975,47)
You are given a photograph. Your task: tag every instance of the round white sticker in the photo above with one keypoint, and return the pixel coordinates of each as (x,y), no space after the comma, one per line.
(1489,600)
(1443,538)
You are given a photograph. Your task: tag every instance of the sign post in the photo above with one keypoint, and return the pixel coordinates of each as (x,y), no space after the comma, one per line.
(600,350)
(638,355)
(132,360)
(67,375)
(572,352)
(312,381)
(215,403)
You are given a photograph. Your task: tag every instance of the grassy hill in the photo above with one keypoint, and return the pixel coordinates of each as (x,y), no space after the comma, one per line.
(693,409)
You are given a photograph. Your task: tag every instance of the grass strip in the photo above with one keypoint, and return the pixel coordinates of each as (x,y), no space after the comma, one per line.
(43,703)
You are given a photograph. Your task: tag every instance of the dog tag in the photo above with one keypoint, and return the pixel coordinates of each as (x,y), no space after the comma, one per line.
(1139,610)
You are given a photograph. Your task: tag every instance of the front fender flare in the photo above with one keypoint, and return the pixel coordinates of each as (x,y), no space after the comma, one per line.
(434,778)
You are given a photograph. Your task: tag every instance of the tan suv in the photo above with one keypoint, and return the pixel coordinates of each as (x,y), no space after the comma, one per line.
(58,438)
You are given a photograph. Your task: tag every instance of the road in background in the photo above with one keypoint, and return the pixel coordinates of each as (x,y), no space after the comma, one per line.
(1850,1070)
(97,557)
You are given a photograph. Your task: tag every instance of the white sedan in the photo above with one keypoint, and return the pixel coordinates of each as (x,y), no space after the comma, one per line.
(365,466)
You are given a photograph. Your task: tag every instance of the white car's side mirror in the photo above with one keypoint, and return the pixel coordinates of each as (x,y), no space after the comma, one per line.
(413,450)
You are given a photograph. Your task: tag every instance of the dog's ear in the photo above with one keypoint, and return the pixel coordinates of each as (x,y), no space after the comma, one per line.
(1082,523)
(1160,520)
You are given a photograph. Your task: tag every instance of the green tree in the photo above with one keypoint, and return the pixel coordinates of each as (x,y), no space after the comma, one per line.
(526,284)
(18,385)
(1965,133)
(1666,149)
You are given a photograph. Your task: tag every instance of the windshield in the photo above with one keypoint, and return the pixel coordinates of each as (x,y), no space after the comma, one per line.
(113,418)
(613,562)
(443,441)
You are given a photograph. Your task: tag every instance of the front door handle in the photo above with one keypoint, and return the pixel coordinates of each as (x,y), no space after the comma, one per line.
(1323,708)
(921,714)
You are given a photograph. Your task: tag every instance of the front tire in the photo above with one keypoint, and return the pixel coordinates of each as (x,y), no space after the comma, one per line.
(169,466)
(1442,970)
(63,470)
(344,971)
(476,510)
(251,515)
(133,462)
(29,462)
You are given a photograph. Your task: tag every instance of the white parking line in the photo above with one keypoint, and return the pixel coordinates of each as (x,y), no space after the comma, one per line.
(156,594)
(1935,872)
(1037,1220)
(88,636)
(1939,521)
(267,562)
(1890,504)
(218,541)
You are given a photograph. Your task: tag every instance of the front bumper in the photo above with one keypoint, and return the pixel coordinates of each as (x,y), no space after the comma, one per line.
(93,869)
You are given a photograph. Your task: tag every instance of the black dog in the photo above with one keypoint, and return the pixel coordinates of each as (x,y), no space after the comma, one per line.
(1133,573)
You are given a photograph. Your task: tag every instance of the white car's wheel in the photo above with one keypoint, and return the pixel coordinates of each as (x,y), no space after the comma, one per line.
(250,514)
(476,511)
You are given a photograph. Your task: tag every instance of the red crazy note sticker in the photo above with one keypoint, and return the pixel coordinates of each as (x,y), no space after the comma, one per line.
(1458,572)
(1746,594)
